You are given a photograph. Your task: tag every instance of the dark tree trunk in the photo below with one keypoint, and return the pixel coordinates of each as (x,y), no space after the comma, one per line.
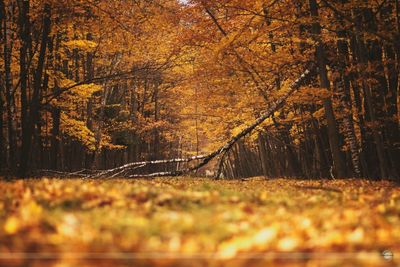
(343,89)
(34,107)
(11,122)
(55,135)
(333,133)
(372,54)
(2,88)
(24,31)
(89,156)
(392,124)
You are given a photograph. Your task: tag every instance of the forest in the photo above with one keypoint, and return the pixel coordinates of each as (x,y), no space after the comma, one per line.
(276,100)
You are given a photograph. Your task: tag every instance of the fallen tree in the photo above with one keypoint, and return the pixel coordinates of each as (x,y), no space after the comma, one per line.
(126,169)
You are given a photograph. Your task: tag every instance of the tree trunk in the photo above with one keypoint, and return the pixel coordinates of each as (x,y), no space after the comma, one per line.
(89,156)
(373,108)
(24,31)
(343,89)
(55,135)
(2,87)
(333,134)
(11,122)
(392,125)
(38,83)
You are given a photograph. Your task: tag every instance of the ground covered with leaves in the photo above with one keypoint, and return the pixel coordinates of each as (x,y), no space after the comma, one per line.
(198,222)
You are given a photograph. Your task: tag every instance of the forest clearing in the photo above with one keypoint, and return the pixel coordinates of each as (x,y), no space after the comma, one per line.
(199,222)
(199,132)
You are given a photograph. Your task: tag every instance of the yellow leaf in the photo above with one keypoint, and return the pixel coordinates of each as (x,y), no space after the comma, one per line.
(12,225)
(228,251)
(264,236)
(84,45)
(31,211)
(288,244)
(356,236)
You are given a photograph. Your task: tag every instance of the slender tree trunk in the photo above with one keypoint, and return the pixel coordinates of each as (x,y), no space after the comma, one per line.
(360,114)
(156,134)
(11,126)
(34,106)
(89,156)
(24,29)
(55,135)
(2,87)
(343,89)
(98,132)
(2,141)
(392,124)
(38,139)
(263,154)
(373,108)
(333,134)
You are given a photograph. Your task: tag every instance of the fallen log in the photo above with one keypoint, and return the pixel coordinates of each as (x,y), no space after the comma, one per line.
(141,164)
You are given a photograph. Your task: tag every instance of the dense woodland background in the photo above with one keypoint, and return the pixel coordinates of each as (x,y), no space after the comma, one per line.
(94,84)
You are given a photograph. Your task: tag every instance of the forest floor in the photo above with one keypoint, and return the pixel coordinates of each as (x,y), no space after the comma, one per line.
(198,222)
